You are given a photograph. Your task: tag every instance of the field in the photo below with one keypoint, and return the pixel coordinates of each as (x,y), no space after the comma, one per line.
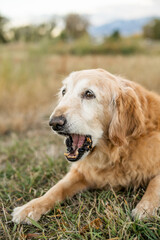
(31,156)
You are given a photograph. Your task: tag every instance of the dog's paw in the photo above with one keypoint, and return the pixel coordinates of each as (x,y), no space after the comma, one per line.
(32,209)
(144,209)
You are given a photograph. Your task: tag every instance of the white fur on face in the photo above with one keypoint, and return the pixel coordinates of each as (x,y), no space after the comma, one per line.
(82,114)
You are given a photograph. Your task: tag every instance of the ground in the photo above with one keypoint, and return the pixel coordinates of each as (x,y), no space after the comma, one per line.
(30,165)
(31,156)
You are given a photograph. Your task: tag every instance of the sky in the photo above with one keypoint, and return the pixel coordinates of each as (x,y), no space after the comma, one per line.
(98,11)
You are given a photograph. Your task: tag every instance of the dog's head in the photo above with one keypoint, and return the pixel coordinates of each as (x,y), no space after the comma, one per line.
(94,104)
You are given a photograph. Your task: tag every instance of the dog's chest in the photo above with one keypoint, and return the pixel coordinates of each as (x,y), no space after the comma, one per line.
(110,176)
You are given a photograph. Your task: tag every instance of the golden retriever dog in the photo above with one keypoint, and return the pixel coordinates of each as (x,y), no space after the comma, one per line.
(112,131)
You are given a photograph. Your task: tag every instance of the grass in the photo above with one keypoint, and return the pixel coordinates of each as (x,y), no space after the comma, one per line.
(27,171)
(31,157)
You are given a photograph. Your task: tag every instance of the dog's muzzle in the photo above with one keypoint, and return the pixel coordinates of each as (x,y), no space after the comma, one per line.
(76,144)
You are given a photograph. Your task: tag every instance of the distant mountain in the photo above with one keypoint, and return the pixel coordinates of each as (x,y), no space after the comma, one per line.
(125,27)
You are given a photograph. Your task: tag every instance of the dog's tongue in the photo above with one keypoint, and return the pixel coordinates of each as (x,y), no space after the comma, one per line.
(78,141)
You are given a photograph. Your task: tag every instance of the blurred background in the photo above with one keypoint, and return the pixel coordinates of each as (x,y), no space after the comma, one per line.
(43,41)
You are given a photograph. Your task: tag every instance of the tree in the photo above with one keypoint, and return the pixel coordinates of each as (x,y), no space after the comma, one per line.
(33,33)
(75,25)
(152,29)
(3,22)
(115,35)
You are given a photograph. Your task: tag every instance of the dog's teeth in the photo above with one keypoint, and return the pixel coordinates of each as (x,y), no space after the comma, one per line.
(88,140)
(66,154)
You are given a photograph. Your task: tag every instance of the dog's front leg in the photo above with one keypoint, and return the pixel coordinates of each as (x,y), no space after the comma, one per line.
(150,201)
(72,183)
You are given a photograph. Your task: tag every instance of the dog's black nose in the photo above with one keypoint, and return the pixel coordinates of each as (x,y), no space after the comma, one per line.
(58,123)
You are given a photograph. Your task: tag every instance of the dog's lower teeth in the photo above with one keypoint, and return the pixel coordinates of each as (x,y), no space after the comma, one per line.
(66,154)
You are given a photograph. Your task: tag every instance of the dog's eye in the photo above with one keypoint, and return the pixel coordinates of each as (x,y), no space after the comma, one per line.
(89,94)
(63,92)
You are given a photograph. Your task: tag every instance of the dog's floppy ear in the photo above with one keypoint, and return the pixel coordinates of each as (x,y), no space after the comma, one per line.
(128,117)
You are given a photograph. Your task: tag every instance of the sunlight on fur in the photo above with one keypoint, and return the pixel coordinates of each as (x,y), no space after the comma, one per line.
(122,121)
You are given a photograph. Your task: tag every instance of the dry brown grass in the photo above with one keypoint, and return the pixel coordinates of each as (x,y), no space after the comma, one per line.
(29,83)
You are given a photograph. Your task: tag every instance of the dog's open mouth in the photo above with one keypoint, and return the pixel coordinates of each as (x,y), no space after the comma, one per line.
(77,145)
